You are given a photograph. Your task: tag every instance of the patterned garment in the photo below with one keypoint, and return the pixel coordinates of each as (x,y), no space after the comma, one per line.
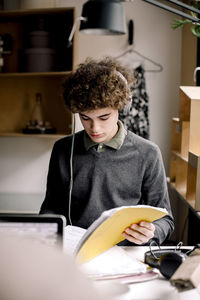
(136,119)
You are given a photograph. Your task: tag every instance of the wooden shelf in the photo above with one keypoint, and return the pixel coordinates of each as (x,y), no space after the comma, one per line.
(18,24)
(33,11)
(180,137)
(18,99)
(178,154)
(18,87)
(185,147)
(43,136)
(189,110)
(178,170)
(35,74)
(193,180)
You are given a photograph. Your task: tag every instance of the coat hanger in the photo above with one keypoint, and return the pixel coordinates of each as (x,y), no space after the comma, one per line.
(158,66)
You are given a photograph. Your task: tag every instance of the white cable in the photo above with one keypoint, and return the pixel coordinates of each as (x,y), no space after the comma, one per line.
(71,173)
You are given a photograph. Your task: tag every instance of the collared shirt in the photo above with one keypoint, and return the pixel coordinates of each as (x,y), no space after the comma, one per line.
(115,143)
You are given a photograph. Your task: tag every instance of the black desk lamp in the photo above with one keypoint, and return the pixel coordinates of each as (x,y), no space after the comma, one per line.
(107,17)
(103,17)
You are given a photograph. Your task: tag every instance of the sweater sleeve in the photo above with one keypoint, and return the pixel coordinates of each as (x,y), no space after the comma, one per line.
(155,193)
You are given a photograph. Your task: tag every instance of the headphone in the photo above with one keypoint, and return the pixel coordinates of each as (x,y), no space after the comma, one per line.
(127,107)
(167,260)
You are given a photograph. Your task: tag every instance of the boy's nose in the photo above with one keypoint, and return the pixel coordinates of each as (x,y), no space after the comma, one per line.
(94,126)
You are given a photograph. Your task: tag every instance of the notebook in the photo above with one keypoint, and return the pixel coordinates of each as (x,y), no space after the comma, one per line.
(47,229)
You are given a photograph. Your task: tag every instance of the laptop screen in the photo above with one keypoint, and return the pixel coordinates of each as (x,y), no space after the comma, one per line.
(47,229)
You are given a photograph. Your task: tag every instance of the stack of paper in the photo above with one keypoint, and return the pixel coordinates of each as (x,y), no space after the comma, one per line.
(115,262)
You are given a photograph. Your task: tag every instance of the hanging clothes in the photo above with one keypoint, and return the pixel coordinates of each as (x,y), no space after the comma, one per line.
(137,118)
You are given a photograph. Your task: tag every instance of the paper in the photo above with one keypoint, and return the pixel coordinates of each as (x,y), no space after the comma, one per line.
(113,262)
(72,236)
(107,230)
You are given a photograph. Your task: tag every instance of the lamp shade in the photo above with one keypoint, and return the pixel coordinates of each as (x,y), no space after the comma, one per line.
(103,17)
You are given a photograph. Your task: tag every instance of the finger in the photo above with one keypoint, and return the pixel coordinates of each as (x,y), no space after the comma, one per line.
(147,225)
(141,234)
(149,232)
(136,239)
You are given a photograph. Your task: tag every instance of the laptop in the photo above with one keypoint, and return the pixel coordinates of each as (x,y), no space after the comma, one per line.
(47,229)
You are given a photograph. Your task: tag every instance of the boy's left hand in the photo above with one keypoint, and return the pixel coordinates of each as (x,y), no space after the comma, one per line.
(139,233)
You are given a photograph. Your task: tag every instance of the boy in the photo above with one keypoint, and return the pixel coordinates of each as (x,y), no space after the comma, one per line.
(112,167)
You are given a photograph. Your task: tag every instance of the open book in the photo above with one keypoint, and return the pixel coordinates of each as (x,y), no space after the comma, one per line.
(106,231)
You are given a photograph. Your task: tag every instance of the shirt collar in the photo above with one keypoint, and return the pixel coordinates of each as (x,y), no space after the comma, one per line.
(115,143)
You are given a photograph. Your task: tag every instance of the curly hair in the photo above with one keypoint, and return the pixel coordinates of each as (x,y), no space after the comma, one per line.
(98,84)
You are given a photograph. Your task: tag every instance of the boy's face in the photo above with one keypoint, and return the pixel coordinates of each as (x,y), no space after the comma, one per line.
(100,124)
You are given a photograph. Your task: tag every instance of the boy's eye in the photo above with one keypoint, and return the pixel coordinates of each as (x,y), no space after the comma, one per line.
(84,118)
(104,118)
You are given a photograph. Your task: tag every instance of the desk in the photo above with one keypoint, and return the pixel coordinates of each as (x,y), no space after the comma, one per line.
(156,289)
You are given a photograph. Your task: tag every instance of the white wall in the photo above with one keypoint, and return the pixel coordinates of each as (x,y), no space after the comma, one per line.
(24,162)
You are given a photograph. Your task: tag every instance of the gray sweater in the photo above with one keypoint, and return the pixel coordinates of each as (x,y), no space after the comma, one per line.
(131,175)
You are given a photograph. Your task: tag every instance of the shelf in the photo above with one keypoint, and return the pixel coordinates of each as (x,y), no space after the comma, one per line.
(43,136)
(180,137)
(188,94)
(178,172)
(193,180)
(18,86)
(33,11)
(189,111)
(35,74)
(185,147)
(181,175)
(18,25)
(178,154)
(17,101)
(189,203)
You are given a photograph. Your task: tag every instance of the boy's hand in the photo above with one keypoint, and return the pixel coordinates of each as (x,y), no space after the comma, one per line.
(139,233)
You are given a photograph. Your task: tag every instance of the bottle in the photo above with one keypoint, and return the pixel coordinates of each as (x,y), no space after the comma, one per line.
(37,123)
(37,116)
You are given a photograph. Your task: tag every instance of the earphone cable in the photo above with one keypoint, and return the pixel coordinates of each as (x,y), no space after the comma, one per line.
(71,173)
